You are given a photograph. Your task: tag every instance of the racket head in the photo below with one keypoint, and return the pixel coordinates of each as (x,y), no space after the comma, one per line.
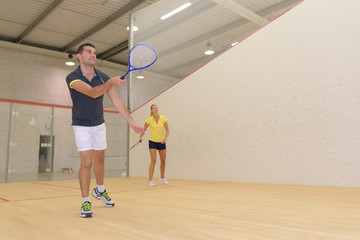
(142,56)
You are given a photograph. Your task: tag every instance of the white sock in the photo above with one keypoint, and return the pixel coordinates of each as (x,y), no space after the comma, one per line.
(86,199)
(100,188)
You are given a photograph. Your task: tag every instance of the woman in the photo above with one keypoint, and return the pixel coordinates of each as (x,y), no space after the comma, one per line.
(157,141)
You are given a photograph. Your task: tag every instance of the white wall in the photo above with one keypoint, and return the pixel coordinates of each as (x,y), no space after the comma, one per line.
(280,107)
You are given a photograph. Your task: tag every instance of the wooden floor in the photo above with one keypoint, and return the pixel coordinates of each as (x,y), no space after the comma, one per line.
(181,210)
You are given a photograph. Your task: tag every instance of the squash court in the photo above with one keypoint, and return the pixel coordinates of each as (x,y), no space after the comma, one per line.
(264,138)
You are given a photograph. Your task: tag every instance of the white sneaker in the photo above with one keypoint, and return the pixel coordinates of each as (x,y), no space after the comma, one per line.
(103,196)
(151,183)
(163,180)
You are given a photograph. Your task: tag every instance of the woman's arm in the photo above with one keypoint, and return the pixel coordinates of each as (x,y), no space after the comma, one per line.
(166,134)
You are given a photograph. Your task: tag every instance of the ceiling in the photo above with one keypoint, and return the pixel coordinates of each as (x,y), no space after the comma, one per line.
(62,25)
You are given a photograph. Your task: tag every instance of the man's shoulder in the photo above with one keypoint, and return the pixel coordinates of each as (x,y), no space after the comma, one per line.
(73,74)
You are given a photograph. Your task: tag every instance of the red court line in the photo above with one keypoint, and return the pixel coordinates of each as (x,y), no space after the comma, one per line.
(42,198)
(44,104)
(54,185)
(3,199)
(77,195)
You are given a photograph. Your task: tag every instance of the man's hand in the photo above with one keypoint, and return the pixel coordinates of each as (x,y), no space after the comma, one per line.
(117,81)
(137,128)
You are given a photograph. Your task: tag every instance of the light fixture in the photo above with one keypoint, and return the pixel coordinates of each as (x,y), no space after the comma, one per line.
(70,62)
(134,28)
(186,5)
(140,75)
(209,50)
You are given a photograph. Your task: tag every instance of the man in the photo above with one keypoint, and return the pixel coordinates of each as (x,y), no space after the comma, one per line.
(87,86)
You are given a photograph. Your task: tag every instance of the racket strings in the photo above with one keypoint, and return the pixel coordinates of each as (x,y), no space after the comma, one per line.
(142,56)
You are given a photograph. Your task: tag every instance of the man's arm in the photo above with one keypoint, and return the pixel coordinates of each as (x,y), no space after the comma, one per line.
(122,109)
(97,91)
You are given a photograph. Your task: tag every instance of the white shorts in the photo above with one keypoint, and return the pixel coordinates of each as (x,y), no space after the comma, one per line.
(90,138)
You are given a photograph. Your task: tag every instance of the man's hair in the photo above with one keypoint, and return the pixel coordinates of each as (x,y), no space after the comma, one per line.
(81,47)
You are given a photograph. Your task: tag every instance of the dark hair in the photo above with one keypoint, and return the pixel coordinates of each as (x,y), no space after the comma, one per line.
(81,47)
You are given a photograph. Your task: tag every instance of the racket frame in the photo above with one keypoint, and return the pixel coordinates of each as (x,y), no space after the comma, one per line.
(134,145)
(131,68)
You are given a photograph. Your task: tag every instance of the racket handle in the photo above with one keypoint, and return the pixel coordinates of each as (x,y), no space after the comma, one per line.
(123,77)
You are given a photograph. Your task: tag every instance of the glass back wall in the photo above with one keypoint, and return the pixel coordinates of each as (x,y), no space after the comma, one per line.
(37,143)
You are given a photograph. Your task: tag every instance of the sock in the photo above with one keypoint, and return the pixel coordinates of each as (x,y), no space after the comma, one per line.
(86,199)
(100,188)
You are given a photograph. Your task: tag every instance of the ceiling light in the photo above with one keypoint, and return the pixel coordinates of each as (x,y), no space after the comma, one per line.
(69,62)
(134,28)
(209,52)
(140,75)
(186,5)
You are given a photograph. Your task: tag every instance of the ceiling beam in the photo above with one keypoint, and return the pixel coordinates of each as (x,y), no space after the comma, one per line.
(242,11)
(38,45)
(114,50)
(119,13)
(36,22)
(7,38)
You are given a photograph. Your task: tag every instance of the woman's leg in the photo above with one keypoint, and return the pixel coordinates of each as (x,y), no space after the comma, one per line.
(152,164)
(162,154)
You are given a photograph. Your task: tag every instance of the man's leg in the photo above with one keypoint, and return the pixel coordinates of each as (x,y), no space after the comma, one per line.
(85,172)
(99,157)
(84,180)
